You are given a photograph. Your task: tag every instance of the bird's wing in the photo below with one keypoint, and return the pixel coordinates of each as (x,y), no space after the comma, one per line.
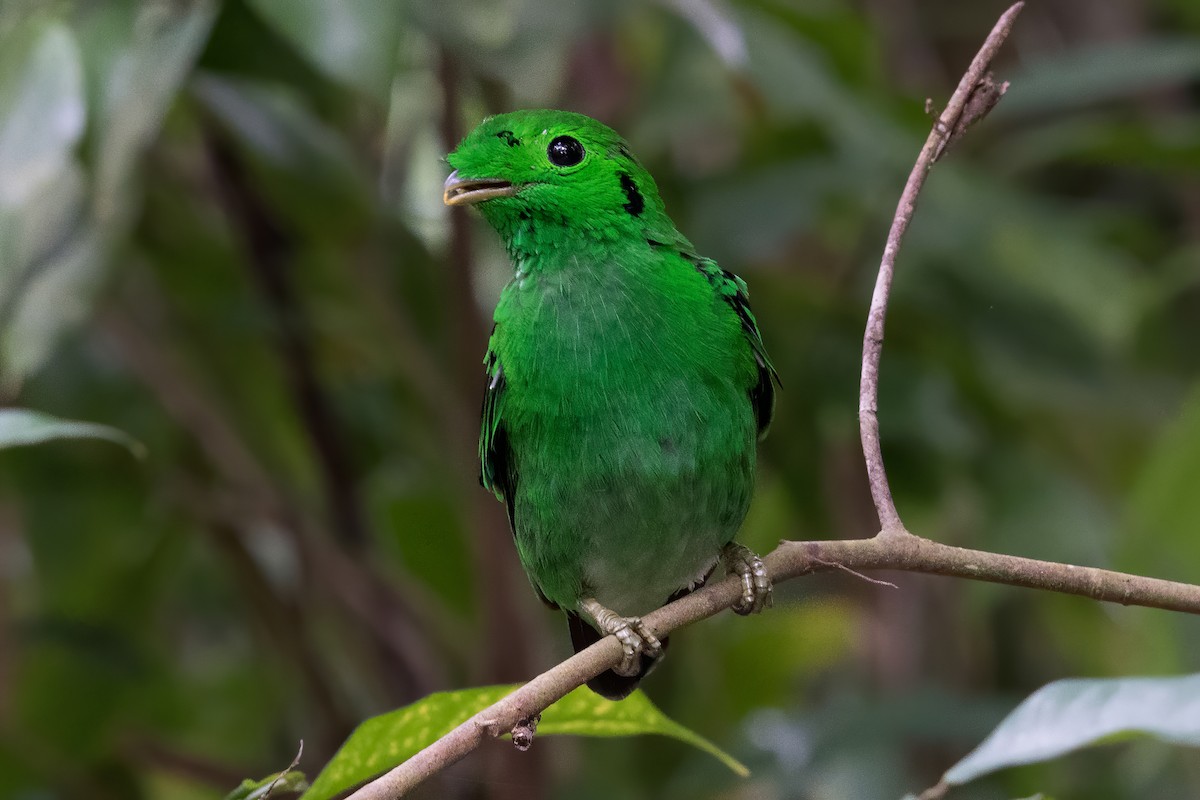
(497,474)
(661,234)
(736,294)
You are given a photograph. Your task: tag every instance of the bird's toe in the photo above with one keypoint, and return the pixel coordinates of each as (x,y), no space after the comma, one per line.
(756,584)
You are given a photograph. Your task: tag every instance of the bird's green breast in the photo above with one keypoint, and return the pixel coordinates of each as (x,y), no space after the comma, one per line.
(628,421)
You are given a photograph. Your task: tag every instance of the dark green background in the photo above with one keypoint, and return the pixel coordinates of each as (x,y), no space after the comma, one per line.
(239,255)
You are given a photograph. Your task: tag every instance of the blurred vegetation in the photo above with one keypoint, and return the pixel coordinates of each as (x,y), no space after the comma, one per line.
(221,231)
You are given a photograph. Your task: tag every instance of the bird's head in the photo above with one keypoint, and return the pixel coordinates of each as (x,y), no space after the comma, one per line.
(552,169)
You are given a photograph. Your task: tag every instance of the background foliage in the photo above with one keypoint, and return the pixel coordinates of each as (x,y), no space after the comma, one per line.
(221,231)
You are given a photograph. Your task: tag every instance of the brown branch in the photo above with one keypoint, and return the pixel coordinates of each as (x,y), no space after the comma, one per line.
(975,96)
(789,560)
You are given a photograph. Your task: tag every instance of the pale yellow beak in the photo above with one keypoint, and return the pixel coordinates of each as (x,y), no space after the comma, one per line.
(468,191)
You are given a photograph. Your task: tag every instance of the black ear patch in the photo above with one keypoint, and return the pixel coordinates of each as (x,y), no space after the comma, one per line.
(508,138)
(635,203)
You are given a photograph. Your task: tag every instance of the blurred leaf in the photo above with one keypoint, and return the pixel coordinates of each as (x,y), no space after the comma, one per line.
(42,109)
(318,178)
(1068,715)
(54,296)
(387,740)
(354,41)
(796,82)
(1093,74)
(45,265)
(1164,502)
(53,243)
(151,52)
(19,427)
(1097,287)
(1038,796)
(713,21)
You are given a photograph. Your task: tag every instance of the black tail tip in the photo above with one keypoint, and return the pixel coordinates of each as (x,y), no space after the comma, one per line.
(612,686)
(609,684)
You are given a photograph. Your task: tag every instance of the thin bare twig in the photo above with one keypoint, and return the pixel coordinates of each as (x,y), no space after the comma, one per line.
(789,560)
(859,575)
(295,763)
(975,96)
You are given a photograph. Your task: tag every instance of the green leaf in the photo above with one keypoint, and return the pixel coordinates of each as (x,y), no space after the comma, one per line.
(19,427)
(289,781)
(584,713)
(389,739)
(1072,714)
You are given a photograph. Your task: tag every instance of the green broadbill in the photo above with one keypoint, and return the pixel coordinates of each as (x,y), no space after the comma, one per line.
(627,383)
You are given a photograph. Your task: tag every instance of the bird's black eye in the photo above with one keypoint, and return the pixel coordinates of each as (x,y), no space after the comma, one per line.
(565,151)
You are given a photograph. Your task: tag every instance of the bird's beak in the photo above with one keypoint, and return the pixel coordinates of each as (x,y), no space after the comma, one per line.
(468,191)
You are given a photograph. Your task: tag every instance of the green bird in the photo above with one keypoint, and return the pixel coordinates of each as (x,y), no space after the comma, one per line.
(627,384)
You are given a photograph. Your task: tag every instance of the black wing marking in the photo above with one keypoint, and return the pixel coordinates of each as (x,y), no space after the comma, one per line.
(498,473)
(736,294)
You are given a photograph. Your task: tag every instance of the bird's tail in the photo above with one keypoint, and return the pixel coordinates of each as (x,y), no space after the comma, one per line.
(608,683)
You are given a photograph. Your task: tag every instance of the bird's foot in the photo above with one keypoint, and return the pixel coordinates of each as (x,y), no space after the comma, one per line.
(756,584)
(635,638)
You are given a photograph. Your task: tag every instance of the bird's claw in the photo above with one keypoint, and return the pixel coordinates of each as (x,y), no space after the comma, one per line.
(635,638)
(756,584)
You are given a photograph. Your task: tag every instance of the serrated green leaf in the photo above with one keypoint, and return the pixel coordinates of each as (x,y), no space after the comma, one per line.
(387,740)
(19,427)
(1072,714)
(257,790)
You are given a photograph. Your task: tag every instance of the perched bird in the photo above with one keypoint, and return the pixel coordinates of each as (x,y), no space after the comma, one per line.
(626,384)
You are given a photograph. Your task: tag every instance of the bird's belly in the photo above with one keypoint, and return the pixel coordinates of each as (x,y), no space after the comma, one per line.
(630,508)
(632,439)
(632,578)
